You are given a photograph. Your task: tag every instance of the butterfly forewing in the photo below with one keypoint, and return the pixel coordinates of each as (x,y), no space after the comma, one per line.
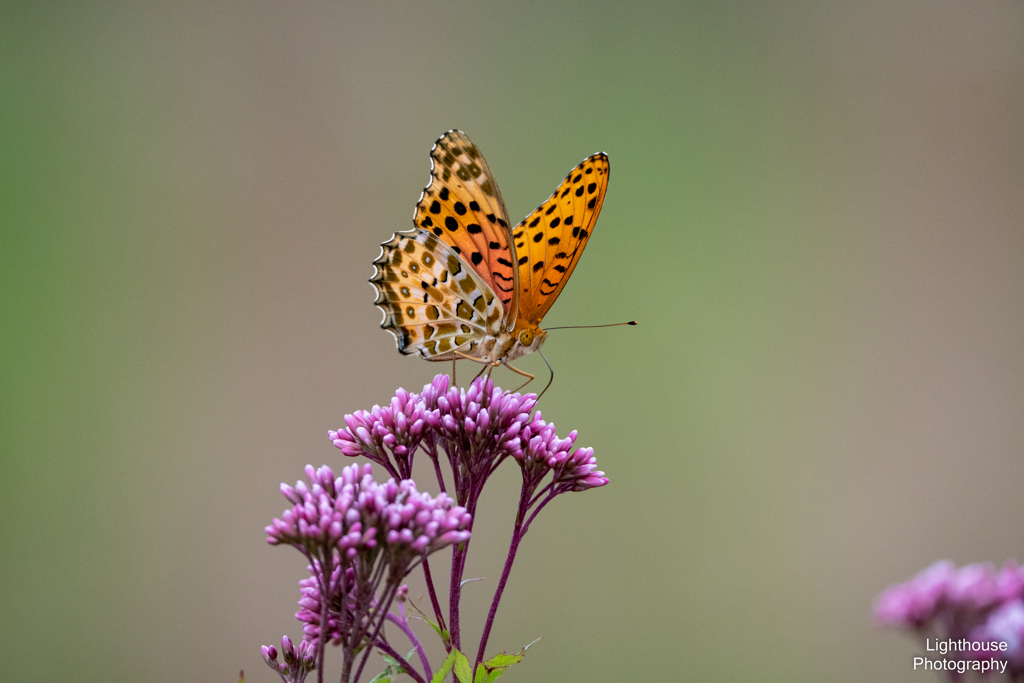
(550,241)
(432,302)
(462,206)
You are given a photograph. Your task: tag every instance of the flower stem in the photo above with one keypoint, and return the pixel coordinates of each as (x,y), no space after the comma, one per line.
(325,592)
(455,592)
(459,553)
(402,624)
(433,595)
(518,531)
(516,537)
(383,605)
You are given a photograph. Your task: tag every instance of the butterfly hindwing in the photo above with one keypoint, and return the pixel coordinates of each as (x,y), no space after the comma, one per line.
(550,241)
(432,302)
(462,206)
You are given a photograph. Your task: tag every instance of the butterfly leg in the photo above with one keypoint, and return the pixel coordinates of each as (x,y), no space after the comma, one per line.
(520,372)
(482,371)
(455,382)
(460,354)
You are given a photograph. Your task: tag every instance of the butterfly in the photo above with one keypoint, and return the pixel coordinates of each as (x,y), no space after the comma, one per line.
(463,283)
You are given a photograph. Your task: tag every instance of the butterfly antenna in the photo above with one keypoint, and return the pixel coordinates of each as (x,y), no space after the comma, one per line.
(586,327)
(550,369)
(571,327)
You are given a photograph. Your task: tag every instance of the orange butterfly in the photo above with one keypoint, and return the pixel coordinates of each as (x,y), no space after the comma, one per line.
(462,283)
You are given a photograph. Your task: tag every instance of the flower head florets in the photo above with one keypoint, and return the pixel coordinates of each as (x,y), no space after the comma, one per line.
(325,514)
(342,604)
(1006,625)
(481,423)
(353,513)
(354,529)
(361,538)
(297,661)
(975,602)
(388,436)
(959,598)
(542,451)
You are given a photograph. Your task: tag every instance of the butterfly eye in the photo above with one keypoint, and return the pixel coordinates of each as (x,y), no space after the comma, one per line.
(526,337)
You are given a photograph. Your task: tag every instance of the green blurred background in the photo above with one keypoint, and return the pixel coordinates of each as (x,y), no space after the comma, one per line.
(815,211)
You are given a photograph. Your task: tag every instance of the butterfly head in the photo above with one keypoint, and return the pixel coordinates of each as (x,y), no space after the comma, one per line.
(527,340)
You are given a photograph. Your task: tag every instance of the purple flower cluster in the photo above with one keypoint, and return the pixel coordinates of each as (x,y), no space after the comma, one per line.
(954,597)
(395,431)
(477,428)
(361,537)
(1006,624)
(338,615)
(543,451)
(481,423)
(351,513)
(298,661)
(976,602)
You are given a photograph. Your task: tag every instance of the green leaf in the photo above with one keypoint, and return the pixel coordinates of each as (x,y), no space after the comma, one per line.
(462,669)
(491,670)
(442,633)
(394,663)
(446,667)
(382,677)
(488,672)
(493,676)
(503,660)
